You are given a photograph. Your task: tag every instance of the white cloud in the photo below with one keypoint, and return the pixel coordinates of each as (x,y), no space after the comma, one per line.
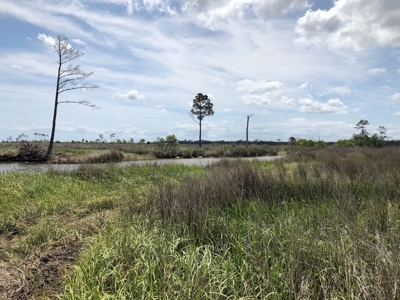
(48,40)
(79,42)
(304,86)
(395,97)
(218,80)
(132,95)
(214,14)
(376,71)
(397,113)
(161,108)
(172,59)
(332,106)
(339,90)
(256,87)
(127,3)
(227,110)
(148,5)
(16,66)
(352,24)
(268,99)
(264,93)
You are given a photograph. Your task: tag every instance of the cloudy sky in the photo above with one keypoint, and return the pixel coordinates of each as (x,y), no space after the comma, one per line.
(304,68)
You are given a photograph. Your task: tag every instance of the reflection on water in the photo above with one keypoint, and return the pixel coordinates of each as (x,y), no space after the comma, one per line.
(24,167)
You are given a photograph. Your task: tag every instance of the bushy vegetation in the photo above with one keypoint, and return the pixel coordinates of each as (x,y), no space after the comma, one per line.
(310,143)
(364,139)
(375,141)
(26,152)
(320,224)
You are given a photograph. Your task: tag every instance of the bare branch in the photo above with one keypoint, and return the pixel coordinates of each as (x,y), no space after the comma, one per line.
(82,102)
(83,76)
(68,78)
(80,87)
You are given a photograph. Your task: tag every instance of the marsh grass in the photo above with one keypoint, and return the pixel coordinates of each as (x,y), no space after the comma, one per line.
(46,218)
(8,149)
(108,156)
(323,224)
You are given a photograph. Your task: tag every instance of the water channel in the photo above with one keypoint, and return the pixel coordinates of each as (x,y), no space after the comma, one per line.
(28,167)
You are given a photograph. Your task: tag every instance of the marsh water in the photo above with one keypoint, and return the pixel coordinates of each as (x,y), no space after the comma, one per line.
(26,167)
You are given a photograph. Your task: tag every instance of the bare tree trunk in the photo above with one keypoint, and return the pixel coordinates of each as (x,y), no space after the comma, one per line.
(67,80)
(247,131)
(200,135)
(53,129)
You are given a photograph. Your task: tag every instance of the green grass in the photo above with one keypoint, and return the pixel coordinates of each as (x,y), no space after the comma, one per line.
(323,224)
(8,149)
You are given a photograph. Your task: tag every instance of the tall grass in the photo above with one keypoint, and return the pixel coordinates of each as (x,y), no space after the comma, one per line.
(321,225)
(46,218)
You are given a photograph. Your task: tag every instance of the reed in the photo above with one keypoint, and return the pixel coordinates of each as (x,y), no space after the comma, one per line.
(321,225)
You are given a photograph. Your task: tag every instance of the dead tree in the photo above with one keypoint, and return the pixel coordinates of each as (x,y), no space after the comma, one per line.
(68,79)
(247,130)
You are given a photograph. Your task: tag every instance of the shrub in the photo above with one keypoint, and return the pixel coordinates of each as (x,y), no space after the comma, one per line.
(345,143)
(31,152)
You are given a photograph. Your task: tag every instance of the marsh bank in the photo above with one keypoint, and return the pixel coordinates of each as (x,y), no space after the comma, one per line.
(24,167)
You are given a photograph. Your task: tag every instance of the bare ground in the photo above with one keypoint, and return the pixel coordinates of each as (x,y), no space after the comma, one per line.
(40,276)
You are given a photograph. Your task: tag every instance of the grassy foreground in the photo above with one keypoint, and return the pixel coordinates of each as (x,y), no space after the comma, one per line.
(323,224)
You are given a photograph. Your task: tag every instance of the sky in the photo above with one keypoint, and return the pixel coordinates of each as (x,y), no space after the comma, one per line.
(301,68)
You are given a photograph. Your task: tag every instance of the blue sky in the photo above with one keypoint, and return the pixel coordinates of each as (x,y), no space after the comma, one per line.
(303,68)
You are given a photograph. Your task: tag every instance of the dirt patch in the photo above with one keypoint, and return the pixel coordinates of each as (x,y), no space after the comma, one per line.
(40,276)
(14,284)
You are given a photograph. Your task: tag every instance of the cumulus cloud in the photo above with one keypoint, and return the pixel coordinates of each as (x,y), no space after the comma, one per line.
(256,87)
(48,40)
(332,106)
(264,93)
(352,24)
(132,95)
(395,97)
(376,71)
(267,99)
(304,86)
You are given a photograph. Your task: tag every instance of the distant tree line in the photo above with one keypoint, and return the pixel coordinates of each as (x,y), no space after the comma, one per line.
(365,139)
